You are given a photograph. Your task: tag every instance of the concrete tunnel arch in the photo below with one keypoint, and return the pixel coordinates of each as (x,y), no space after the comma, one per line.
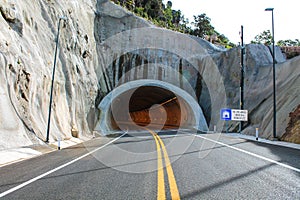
(124,108)
(186,47)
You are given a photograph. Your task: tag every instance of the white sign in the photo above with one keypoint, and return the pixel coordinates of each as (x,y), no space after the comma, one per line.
(239,115)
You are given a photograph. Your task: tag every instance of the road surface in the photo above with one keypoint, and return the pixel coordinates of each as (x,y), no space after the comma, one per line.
(167,165)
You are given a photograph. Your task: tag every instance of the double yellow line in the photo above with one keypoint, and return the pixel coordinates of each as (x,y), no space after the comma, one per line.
(162,153)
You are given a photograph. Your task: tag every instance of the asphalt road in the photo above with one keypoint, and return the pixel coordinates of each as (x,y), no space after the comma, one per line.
(169,165)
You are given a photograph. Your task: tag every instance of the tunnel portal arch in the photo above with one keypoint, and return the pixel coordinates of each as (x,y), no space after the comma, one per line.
(125,107)
(188,48)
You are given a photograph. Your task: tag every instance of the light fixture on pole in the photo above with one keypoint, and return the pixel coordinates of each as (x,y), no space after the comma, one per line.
(53,73)
(274,81)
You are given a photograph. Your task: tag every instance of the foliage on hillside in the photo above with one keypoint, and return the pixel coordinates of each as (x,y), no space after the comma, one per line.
(266,38)
(263,38)
(164,16)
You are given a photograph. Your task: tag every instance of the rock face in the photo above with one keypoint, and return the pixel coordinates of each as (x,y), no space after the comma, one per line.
(102,46)
(292,133)
(28,32)
(258,89)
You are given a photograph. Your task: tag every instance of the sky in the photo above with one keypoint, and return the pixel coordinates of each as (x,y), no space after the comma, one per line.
(227,16)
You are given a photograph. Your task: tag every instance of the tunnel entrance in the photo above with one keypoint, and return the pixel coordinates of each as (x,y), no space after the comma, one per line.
(149,104)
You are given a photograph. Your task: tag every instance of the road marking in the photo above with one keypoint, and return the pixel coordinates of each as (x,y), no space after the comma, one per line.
(172,181)
(161,193)
(171,177)
(56,169)
(252,154)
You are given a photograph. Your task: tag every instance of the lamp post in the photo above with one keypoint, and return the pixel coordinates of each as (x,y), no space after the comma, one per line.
(53,73)
(242,75)
(274,82)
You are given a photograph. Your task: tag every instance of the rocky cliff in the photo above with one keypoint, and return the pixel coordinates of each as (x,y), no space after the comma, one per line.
(84,76)
(28,34)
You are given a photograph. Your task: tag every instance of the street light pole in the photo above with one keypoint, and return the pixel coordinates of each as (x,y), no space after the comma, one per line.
(242,75)
(274,81)
(53,73)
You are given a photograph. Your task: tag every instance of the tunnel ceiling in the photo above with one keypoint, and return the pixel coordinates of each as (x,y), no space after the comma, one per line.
(146,96)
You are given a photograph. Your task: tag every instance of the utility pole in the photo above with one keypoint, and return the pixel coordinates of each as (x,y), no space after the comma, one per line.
(242,76)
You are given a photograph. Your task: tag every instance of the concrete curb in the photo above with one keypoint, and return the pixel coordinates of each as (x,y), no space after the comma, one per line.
(262,140)
(13,155)
(10,156)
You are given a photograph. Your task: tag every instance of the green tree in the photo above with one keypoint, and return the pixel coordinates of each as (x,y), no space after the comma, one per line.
(169,4)
(291,43)
(263,38)
(153,8)
(184,25)
(164,16)
(202,26)
(168,15)
(224,41)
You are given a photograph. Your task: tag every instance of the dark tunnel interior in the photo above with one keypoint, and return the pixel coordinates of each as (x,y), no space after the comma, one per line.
(149,106)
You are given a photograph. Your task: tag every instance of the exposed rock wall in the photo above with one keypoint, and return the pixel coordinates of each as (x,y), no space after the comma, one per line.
(292,133)
(28,34)
(287,98)
(258,89)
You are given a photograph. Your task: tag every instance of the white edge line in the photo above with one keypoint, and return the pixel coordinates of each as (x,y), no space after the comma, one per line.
(252,154)
(56,169)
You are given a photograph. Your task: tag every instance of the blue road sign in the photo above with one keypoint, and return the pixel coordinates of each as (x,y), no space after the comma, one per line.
(225,114)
